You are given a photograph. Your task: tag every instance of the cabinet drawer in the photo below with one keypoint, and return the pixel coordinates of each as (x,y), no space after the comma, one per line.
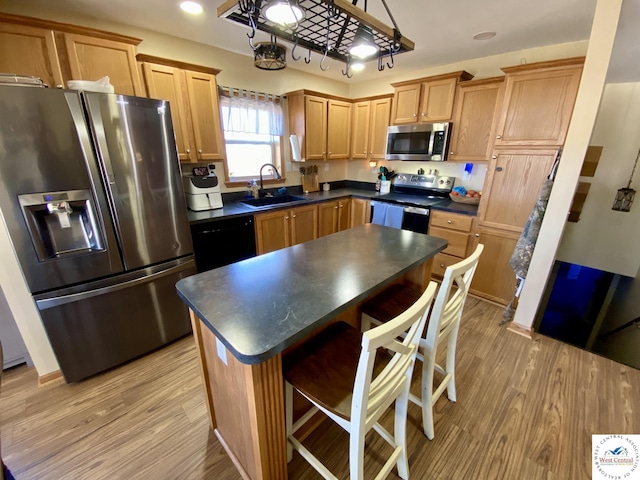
(454,221)
(440,263)
(458,241)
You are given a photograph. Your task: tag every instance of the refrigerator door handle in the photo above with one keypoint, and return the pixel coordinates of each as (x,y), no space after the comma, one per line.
(76,297)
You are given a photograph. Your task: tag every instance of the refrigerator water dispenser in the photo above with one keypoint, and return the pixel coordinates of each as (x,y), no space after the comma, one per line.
(61,223)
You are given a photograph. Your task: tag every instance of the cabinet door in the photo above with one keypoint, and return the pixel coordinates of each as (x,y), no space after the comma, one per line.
(167,83)
(205,115)
(360,139)
(93,58)
(327,218)
(436,104)
(304,224)
(494,279)
(458,241)
(272,231)
(474,121)
(338,130)
(315,109)
(380,113)
(360,212)
(344,214)
(406,102)
(538,107)
(29,51)
(513,185)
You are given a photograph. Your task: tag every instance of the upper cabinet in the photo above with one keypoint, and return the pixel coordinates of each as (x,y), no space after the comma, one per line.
(58,52)
(193,97)
(538,103)
(322,123)
(369,126)
(475,120)
(428,99)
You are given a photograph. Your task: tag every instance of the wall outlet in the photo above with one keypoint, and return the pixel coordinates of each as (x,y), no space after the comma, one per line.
(326,166)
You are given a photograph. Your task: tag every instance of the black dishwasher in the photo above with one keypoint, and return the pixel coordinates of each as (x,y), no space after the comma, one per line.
(220,242)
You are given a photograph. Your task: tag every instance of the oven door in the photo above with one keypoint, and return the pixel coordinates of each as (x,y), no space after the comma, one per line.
(415,219)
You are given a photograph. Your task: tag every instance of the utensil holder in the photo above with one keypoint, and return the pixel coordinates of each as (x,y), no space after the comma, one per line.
(385,186)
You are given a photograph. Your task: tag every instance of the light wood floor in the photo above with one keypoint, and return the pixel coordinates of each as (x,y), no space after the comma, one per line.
(526,410)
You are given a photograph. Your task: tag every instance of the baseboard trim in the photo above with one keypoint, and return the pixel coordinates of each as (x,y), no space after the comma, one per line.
(51,377)
(520,330)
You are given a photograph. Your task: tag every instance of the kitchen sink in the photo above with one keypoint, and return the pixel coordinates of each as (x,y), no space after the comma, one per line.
(267,201)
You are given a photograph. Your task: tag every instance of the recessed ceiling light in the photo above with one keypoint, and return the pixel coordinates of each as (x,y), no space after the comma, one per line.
(283,12)
(484,35)
(357,67)
(194,8)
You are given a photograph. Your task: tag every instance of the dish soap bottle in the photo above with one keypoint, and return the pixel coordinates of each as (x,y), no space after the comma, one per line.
(249,193)
(254,190)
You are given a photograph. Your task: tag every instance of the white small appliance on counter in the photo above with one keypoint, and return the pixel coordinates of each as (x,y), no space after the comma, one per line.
(203,191)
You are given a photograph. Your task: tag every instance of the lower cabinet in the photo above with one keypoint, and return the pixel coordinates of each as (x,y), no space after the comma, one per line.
(359,212)
(494,278)
(283,228)
(333,216)
(456,229)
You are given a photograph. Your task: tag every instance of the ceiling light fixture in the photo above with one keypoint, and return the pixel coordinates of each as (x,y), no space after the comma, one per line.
(484,35)
(328,27)
(283,12)
(270,55)
(363,44)
(357,66)
(193,8)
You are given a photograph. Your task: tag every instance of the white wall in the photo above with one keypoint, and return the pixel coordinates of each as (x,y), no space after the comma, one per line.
(603,238)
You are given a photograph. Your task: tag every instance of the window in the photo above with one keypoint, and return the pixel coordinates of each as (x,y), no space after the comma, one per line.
(252,128)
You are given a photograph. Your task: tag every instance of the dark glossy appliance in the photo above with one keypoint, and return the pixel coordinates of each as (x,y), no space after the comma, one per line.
(91,192)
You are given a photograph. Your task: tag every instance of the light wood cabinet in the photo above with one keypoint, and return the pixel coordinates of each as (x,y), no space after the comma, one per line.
(92,58)
(28,50)
(457,229)
(58,52)
(360,212)
(322,123)
(284,228)
(193,96)
(369,125)
(333,216)
(512,186)
(475,120)
(428,99)
(538,103)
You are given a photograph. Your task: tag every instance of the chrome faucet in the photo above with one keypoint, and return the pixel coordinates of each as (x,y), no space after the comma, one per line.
(275,170)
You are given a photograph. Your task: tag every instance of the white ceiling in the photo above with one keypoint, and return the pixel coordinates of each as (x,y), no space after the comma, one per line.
(441,29)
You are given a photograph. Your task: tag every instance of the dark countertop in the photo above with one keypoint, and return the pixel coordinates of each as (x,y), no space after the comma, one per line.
(260,306)
(236,208)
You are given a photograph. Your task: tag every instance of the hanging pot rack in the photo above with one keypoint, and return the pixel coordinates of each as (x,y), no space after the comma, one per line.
(330,38)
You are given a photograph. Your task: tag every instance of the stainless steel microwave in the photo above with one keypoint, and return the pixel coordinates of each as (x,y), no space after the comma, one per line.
(419,142)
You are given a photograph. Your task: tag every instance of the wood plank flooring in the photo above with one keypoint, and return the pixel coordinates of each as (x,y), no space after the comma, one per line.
(526,410)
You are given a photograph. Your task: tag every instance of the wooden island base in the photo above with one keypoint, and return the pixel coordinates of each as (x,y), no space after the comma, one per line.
(246,402)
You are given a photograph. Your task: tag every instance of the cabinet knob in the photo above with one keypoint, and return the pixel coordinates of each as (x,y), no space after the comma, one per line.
(477,234)
(449,221)
(451,153)
(329,153)
(293,216)
(498,137)
(498,169)
(200,151)
(341,206)
(424,114)
(365,152)
(415,114)
(287,217)
(370,153)
(441,265)
(494,156)
(335,208)
(188,150)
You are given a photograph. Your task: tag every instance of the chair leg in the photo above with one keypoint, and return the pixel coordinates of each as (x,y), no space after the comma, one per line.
(450,366)
(400,430)
(365,322)
(288,409)
(356,454)
(427,393)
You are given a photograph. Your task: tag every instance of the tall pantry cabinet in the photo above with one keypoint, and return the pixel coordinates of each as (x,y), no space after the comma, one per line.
(532,126)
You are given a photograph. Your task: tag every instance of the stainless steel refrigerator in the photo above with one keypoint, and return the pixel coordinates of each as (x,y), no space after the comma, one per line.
(91,192)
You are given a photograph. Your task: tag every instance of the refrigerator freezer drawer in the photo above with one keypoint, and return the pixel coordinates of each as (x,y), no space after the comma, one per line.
(103,327)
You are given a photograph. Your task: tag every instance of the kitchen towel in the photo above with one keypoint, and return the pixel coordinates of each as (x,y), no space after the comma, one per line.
(394,215)
(379,212)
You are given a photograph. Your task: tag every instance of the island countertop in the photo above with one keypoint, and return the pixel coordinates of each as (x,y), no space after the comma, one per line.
(260,306)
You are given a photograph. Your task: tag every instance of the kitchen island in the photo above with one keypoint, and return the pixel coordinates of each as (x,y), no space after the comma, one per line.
(247,315)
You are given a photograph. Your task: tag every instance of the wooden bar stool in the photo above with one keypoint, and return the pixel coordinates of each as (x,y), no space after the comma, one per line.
(444,323)
(338,373)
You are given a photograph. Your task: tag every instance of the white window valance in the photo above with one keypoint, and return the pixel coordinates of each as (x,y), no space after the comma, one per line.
(251,115)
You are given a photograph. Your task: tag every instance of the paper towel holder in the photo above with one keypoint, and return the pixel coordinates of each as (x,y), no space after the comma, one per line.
(296,156)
